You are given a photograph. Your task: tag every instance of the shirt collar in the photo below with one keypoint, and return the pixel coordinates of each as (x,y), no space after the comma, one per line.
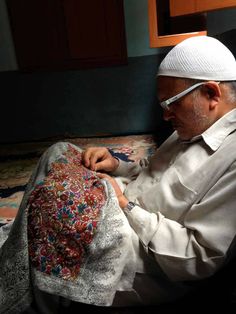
(215,134)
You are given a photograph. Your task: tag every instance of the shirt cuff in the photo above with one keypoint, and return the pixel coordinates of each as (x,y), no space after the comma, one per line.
(126,169)
(145,224)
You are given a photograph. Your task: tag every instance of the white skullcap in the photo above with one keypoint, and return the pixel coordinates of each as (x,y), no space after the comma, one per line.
(200,57)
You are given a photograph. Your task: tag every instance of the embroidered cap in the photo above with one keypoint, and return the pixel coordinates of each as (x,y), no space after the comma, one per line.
(201,57)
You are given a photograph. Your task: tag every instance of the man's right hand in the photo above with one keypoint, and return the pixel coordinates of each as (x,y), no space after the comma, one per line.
(99,159)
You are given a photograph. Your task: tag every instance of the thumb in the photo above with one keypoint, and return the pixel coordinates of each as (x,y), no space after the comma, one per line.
(101,165)
(102,175)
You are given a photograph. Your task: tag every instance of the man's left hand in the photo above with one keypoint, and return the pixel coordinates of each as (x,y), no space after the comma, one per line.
(121,198)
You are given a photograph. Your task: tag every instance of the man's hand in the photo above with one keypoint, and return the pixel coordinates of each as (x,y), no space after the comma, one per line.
(123,201)
(99,159)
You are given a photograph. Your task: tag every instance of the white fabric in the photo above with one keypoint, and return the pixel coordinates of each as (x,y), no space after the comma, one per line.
(187,200)
(200,57)
(109,261)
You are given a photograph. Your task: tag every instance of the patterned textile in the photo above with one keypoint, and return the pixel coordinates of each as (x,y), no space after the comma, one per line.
(17,162)
(63,214)
(107,259)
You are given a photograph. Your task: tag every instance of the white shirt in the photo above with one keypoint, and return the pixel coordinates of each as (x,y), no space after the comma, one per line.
(187,201)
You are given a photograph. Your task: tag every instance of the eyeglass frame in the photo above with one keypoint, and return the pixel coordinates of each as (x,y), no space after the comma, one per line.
(165,104)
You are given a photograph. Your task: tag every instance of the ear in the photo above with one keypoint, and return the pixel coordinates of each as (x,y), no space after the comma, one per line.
(213,93)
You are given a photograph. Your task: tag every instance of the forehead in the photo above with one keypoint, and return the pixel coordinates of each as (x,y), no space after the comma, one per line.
(169,86)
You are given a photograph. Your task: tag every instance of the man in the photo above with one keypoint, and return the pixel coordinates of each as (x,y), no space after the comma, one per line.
(182,203)
(178,220)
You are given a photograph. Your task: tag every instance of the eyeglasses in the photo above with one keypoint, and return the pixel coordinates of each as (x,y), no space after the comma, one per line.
(166,103)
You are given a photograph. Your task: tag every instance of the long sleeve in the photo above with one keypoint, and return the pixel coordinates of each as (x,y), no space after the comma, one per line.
(129,169)
(197,246)
(186,218)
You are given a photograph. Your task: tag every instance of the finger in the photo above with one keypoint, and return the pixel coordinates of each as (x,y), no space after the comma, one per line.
(86,157)
(102,175)
(101,165)
(94,158)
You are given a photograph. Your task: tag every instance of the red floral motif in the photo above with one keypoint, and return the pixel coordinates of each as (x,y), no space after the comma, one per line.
(63,213)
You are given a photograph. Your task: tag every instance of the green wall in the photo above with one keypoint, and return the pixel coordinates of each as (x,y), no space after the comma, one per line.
(103,101)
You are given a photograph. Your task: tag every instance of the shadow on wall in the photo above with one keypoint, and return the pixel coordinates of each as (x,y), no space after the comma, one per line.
(228,39)
(95,102)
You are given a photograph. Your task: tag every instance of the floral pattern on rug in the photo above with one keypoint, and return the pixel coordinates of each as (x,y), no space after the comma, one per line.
(63,214)
(9,207)
(19,160)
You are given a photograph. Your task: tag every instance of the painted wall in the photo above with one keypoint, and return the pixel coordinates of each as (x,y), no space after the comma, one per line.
(7,51)
(137,33)
(105,101)
(136,20)
(221,21)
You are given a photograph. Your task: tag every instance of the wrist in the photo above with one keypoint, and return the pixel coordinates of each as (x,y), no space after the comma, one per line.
(123,201)
(116,163)
(129,207)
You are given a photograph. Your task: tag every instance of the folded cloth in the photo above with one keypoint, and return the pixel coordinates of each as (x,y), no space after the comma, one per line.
(70,237)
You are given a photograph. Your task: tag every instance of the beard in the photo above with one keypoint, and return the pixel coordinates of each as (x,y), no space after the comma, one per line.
(196,122)
(200,119)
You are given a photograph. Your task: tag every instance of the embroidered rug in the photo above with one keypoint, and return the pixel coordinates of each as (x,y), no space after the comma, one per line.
(63,213)
(17,162)
(70,215)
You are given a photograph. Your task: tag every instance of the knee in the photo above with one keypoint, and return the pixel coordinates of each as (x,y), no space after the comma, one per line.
(57,148)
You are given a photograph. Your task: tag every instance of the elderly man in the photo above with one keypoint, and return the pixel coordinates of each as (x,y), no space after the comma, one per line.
(152,228)
(181,204)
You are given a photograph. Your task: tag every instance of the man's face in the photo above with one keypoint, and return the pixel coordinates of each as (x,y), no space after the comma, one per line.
(189,115)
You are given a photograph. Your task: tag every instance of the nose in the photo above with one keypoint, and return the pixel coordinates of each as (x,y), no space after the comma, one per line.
(167,114)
